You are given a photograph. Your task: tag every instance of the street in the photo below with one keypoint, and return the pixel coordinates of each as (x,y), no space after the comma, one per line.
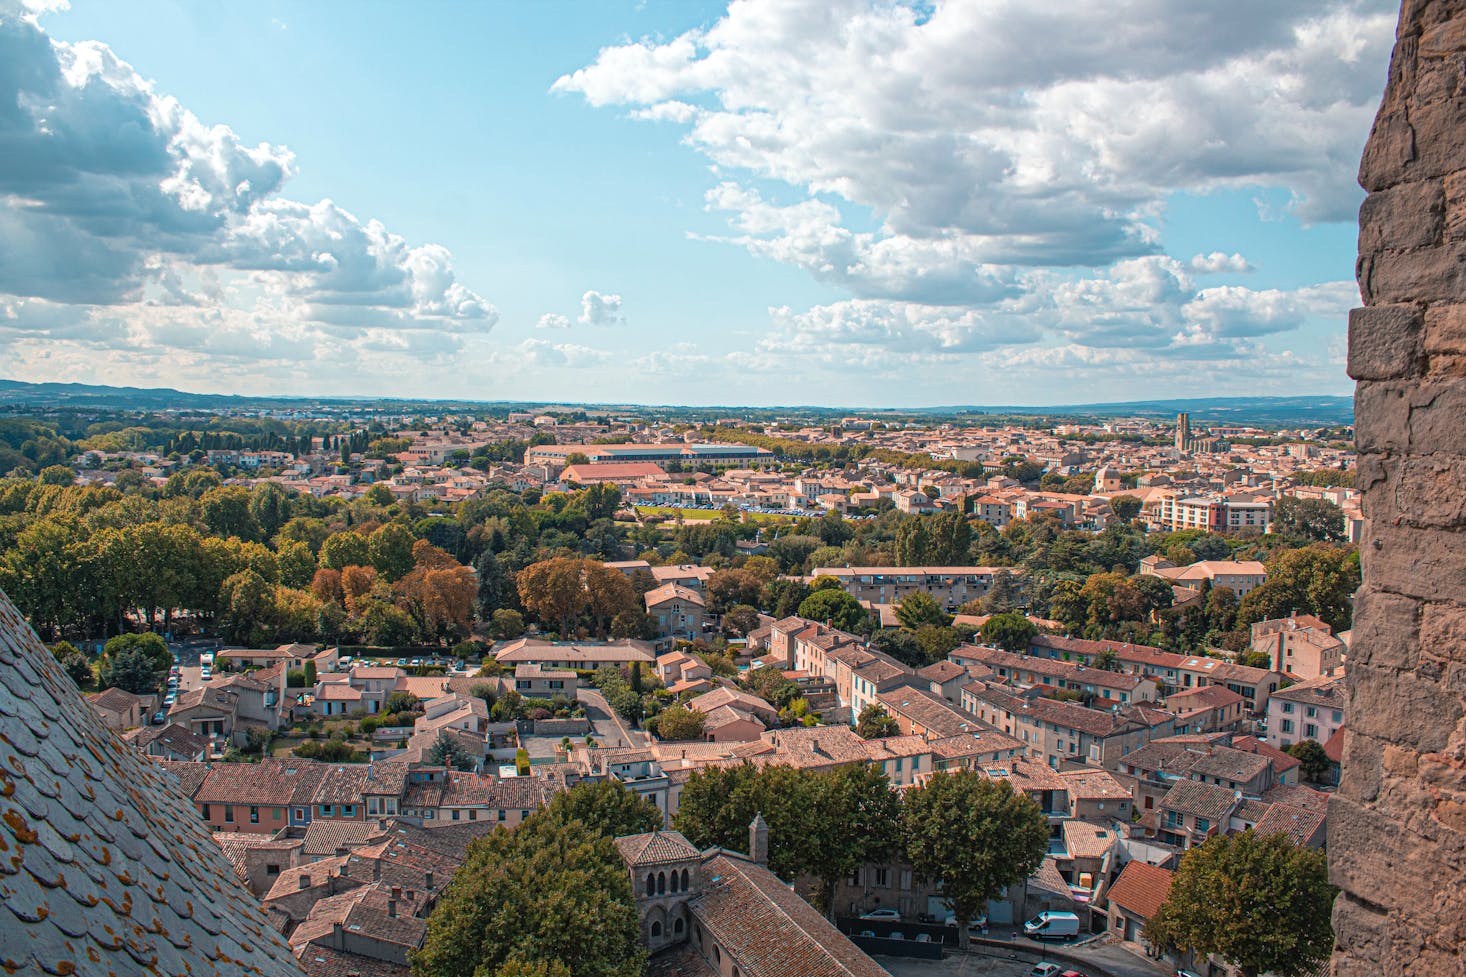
(1107,958)
(610,730)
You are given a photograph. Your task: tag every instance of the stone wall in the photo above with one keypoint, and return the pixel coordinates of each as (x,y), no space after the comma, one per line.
(1397,826)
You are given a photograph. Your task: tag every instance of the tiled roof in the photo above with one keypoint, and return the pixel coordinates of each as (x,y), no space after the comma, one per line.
(272,781)
(324,837)
(769,929)
(188,775)
(1325,692)
(1201,800)
(118,700)
(322,961)
(1141,889)
(1228,764)
(341,784)
(655,848)
(1299,823)
(107,868)
(1298,796)
(1092,784)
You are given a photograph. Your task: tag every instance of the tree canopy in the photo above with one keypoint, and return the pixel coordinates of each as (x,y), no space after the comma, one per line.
(1260,902)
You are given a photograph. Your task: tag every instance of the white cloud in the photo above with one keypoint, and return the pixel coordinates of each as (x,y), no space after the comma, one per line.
(598,309)
(553,320)
(1218,262)
(128,224)
(987,176)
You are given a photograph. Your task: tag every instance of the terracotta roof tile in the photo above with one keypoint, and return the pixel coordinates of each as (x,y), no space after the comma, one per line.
(1141,889)
(107,866)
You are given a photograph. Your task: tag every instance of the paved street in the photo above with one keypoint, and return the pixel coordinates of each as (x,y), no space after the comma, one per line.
(1103,958)
(610,730)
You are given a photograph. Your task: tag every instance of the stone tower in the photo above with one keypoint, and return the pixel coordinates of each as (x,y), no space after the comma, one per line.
(1397,827)
(1183,432)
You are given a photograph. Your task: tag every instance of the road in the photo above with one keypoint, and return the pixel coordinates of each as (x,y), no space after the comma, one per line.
(610,730)
(1104,957)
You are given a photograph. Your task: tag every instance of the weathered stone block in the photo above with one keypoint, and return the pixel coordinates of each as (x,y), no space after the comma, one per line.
(1385,342)
(1437,410)
(1387,628)
(1363,767)
(1431,490)
(1445,329)
(1390,150)
(1381,417)
(1443,629)
(1411,215)
(1436,274)
(1405,708)
(1429,564)
(1455,194)
(1443,40)
(1444,120)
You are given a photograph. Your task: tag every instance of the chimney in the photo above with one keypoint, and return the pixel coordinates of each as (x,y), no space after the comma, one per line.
(340,851)
(305,880)
(427,879)
(392,907)
(758,840)
(397,892)
(338,936)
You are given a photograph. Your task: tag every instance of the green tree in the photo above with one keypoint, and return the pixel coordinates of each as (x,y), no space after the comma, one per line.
(448,752)
(838,609)
(76,665)
(1125,507)
(269,506)
(246,605)
(297,565)
(1002,597)
(856,819)
(1313,762)
(506,624)
(225,510)
(874,722)
(1260,902)
(1011,632)
(605,806)
(546,891)
(1314,519)
(345,549)
(131,670)
(56,475)
(1319,579)
(679,723)
(390,549)
(920,608)
(977,836)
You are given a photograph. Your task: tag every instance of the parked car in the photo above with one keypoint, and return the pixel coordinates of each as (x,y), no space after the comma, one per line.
(867,933)
(923,937)
(980,923)
(887,914)
(170,698)
(1187,973)
(160,717)
(1044,969)
(1073,973)
(895,935)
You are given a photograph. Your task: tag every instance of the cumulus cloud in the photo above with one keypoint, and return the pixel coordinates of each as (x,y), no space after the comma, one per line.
(598,309)
(127,222)
(553,320)
(1218,262)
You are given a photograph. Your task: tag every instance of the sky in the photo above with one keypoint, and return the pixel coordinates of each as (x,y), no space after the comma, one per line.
(835,202)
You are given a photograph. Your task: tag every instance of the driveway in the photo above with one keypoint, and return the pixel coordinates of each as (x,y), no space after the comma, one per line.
(610,730)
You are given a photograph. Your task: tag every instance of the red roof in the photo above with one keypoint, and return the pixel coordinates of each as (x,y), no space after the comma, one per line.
(1141,889)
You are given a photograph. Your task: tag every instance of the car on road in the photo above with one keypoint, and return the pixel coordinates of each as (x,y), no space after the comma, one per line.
(886,914)
(169,699)
(895,935)
(980,923)
(1187,973)
(159,717)
(1045,969)
(1073,973)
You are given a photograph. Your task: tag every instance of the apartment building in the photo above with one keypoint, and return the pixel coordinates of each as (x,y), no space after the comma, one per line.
(1099,687)
(1301,646)
(1065,733)
(1312,710)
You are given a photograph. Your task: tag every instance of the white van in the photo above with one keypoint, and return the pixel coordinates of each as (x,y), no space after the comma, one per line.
(1052,926)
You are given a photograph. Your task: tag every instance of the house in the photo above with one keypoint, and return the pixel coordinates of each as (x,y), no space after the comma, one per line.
(120,709)
(686,575)
(255,798)
(1300,645)
(536,681)
(1065,733)
(950,586)
(169,742)
(584,655)
(1096,795)
(1098,686)
(1238,576)
(738,699)
(1312,710)
(678,667)
(946,678)
(1135,898)
(1206,709)
(1191,812)
(677,610)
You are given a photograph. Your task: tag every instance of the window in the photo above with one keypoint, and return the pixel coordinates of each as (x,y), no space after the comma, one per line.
(906,878)
(455,814)
(205,809)
(684,880)
(1287,707)
(501,816)
(855,877)
(272,870)
(678,926)
(348,810)
(1312,713)
(300,814)
(254,814)
(651,884)
(883,877)
(656,928)
(1311,731)
(229,813)
(661,883)
(274,814)
(1203,825)
(1338,717)
(1287,725)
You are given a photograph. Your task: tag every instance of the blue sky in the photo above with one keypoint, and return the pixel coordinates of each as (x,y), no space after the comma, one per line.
(832,202)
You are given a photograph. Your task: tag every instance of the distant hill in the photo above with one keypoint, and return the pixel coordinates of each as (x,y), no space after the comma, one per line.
(1266,411)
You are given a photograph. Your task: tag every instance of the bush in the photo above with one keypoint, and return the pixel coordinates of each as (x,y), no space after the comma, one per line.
(521,762)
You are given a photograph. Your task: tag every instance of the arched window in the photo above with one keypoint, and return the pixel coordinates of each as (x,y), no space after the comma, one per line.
(717,955)
(678,926)
(661,882)
(684,880)
(651,884)
(674,881)
(656,928)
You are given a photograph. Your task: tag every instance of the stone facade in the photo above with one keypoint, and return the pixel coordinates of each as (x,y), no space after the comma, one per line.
(1397,827)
